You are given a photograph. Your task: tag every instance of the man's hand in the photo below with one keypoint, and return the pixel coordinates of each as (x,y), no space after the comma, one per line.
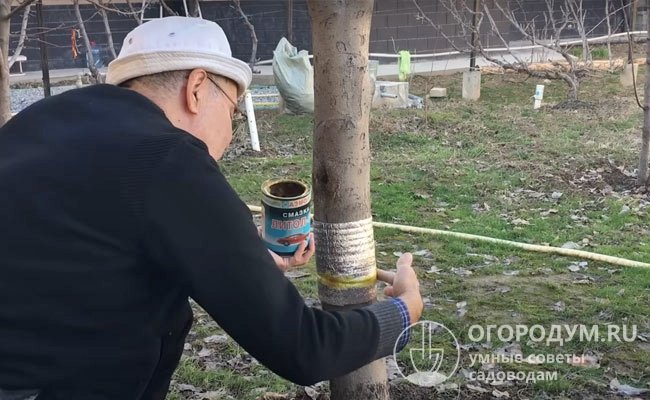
(404,284)
(300,257)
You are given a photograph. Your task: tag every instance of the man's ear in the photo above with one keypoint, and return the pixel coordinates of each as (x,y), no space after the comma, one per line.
(192,91)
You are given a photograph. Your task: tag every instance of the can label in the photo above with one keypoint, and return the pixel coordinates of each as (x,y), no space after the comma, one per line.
(286,215)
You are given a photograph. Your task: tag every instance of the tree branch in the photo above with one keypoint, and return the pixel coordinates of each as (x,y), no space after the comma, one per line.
(18,9)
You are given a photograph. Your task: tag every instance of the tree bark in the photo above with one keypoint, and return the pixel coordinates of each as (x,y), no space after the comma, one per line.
(109,34)
(5,91)
(89,53)
(345,257)
(642,177)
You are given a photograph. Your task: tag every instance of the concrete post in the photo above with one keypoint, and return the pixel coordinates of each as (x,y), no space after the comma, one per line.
(472,84)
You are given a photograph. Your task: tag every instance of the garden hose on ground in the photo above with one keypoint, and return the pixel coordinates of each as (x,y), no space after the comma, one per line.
(524,246)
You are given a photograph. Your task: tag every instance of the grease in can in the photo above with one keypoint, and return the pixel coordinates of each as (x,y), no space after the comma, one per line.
(285,214)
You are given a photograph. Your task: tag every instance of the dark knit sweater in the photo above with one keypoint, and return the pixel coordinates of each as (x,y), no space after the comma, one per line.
(111,218)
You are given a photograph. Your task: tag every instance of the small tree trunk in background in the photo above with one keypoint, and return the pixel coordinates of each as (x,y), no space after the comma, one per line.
(5,91)
(42,44)
(21,38)
(642,178)
(341,173)
(194,8)
(251,29)
(107,29)
(89,54)
(609,35)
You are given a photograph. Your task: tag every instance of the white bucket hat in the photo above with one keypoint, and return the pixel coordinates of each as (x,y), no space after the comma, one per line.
(177,43)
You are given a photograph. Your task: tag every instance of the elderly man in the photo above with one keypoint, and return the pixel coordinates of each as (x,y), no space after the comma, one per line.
(114,213)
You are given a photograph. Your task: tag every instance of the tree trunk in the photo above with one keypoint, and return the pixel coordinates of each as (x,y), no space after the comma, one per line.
(107,29)
(5,91)
(642,177)
(345,255)
(251,29)
(21,38)
(89,53)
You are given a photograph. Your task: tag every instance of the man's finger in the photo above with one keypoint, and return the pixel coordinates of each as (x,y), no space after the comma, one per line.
(405,259)
(385,276)
(388,291)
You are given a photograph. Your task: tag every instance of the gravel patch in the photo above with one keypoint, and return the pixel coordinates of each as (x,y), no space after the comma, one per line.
(21,98)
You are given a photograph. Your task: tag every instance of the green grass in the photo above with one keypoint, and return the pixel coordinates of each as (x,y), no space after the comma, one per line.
(598,53)
(483,168)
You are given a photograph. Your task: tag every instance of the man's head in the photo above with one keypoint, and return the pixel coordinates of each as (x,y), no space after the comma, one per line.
(184,65)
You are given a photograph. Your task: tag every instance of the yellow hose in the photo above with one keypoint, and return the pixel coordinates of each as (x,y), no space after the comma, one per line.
(524,246)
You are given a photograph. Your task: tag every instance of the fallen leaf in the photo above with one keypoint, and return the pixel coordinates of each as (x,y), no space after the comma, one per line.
(187,346)
(519,221)
(422,253)
(556,195)
(571,246)
(511,272)
(461,271)
(620,292)
(461,304)
(182,387)
(205,353)
(476,388)
(433,270)
(216,339)
(559,306)
(627,390)
(500,395)
(574,268)
(397,253)
(213,395)
(311,392)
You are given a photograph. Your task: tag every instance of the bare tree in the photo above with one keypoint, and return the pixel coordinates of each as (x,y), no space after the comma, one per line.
(251,29)
(545,31)
(89,54)
(5,21)
(22,36)
(107,29)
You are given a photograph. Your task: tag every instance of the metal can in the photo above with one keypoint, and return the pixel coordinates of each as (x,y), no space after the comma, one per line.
(286,214)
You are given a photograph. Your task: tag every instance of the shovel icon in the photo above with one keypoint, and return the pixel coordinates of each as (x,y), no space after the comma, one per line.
(426,354)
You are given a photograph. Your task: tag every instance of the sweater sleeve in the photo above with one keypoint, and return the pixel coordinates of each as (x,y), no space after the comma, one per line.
(202,233)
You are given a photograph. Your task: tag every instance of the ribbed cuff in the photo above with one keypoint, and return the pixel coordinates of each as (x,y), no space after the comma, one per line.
(393,320)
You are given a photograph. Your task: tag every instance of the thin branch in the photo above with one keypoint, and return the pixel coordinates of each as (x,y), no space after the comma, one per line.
(167,8)
(18,9)
(133,12)
(251,28)
(89,54)
(98,4)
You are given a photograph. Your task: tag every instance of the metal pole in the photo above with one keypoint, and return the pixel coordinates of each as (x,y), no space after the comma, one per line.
(472,57)
(43,47)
